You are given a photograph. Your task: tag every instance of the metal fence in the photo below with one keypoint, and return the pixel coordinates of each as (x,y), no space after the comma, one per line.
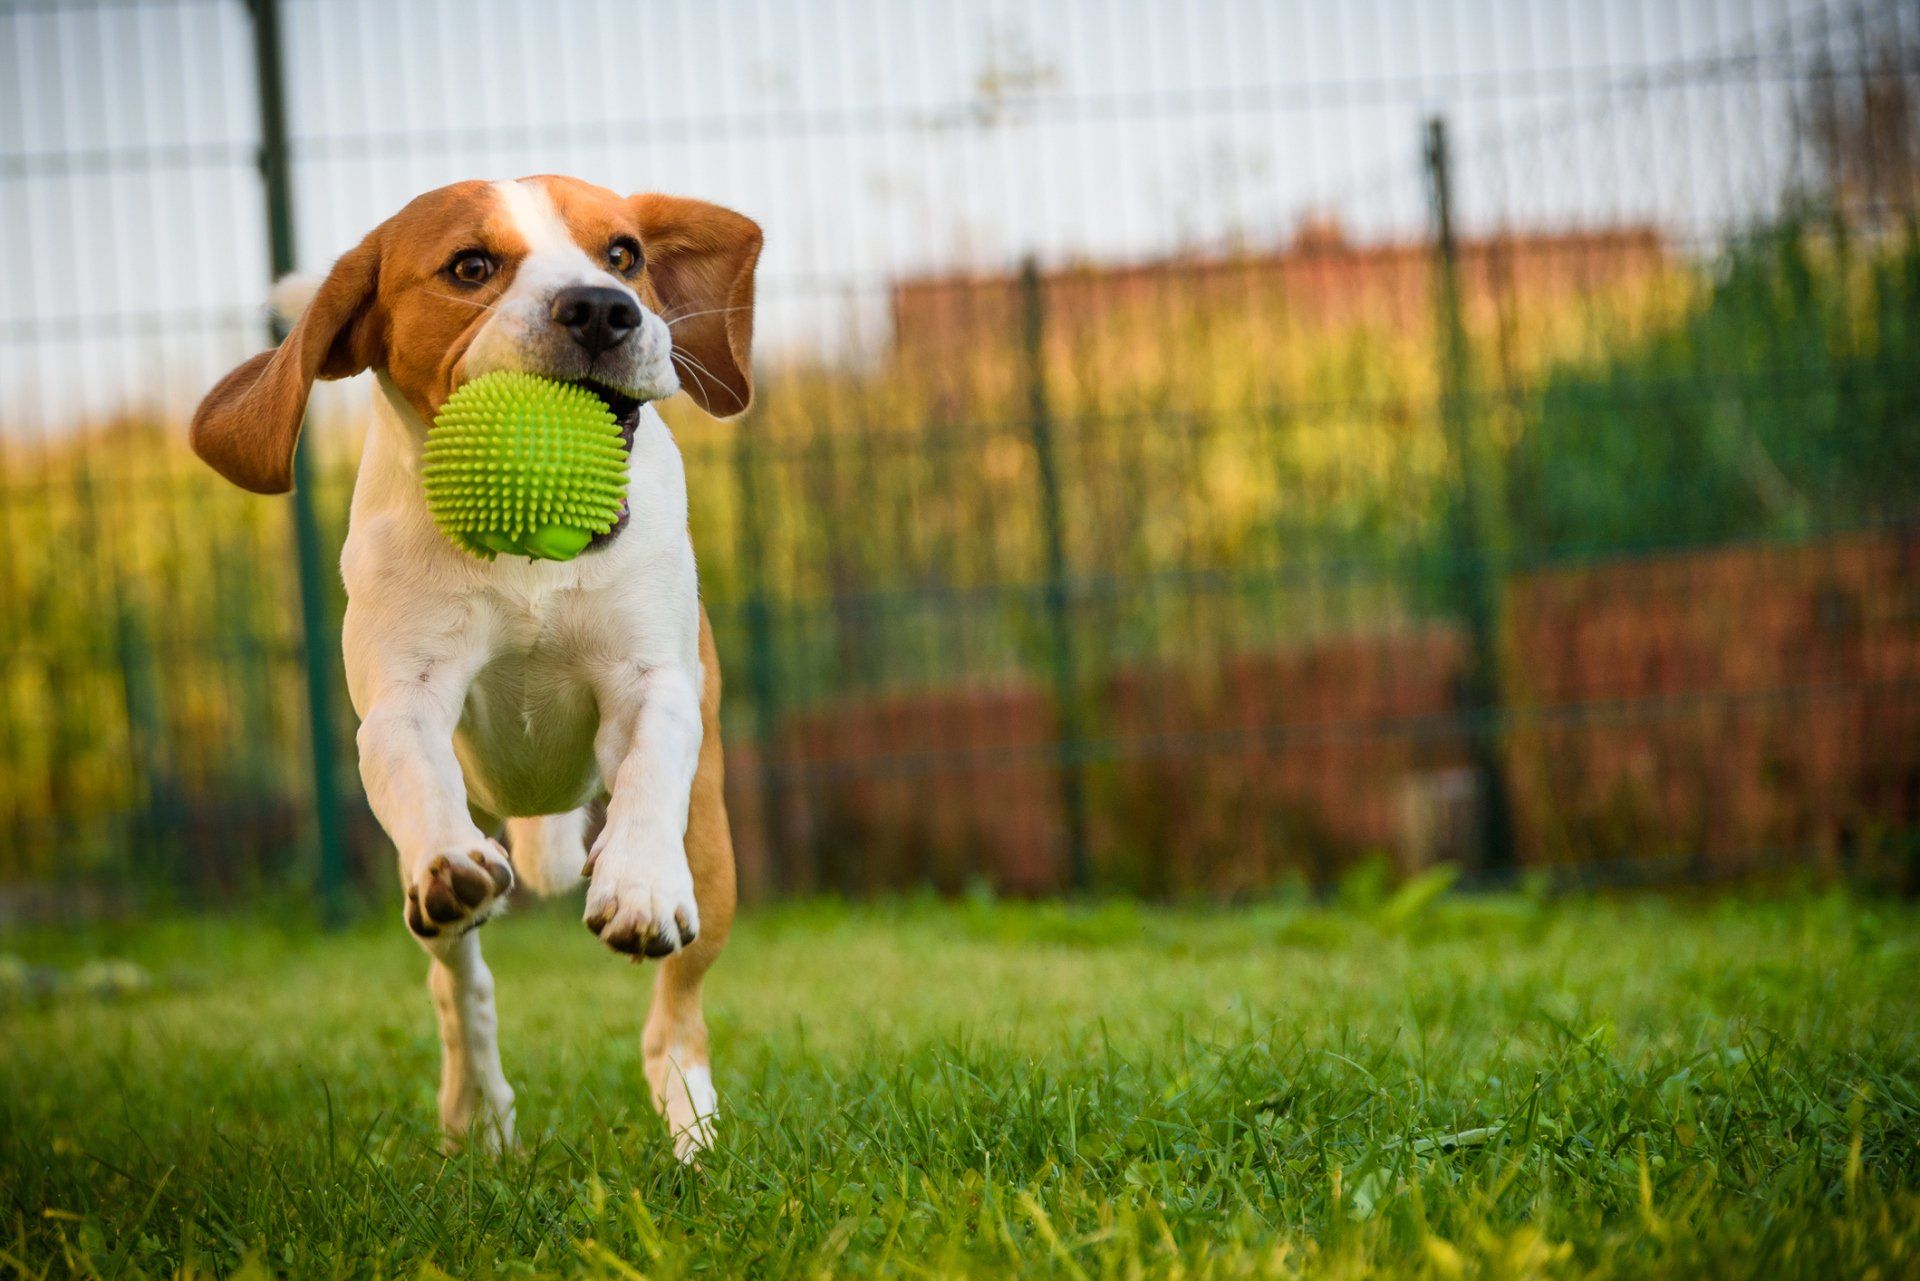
(1198,446)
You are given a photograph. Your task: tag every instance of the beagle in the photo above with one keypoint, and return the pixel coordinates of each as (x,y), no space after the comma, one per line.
(515,693)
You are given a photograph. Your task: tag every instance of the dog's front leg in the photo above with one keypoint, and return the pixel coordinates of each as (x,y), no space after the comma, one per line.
(641,898)
(455,878)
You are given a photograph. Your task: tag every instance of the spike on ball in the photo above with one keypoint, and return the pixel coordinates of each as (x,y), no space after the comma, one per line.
(521,465)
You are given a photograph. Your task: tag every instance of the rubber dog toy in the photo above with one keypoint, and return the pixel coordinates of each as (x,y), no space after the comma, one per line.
(521,465)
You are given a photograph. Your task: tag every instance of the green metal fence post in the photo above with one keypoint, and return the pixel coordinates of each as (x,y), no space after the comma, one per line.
(316,626)
(1473,572)
(1065,673)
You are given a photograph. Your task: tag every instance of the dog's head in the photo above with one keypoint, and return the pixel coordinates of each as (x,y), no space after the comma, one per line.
(635,296)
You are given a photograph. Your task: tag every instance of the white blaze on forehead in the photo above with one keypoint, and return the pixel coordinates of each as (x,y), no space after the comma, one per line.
(549,240)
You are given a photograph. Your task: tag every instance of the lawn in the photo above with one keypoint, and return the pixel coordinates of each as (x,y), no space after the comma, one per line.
(1446,1087)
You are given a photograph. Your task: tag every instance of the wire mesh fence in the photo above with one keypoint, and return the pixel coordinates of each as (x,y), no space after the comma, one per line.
(1197,446)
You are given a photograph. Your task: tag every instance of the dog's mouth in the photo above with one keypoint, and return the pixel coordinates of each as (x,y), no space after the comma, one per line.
(625,408)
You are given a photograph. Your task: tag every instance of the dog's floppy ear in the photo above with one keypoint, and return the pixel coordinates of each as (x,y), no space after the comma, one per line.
(247,426)
(700,260)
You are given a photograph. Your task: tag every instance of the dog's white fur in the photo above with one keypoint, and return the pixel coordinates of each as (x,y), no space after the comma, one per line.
(522,687)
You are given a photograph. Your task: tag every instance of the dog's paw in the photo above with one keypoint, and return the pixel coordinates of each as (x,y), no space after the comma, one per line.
(686,1100)
(642,907)
(457,889)
(484,1126)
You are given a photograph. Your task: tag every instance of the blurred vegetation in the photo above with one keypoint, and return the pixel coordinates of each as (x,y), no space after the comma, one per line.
(1788,401)
(1236,471)
(1237,474)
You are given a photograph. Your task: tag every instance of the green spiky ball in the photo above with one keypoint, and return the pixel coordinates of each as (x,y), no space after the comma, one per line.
(526,466)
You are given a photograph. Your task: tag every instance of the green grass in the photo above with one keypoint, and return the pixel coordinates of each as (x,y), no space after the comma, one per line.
(1452,1087)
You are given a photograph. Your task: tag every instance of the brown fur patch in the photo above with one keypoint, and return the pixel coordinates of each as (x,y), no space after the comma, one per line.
(431,321)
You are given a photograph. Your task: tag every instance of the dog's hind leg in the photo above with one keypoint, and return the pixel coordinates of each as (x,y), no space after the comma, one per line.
(674,1045)
(548,852)
(679,1069)
(476,1103)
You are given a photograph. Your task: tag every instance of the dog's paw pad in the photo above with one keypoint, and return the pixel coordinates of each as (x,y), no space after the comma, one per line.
(456,890)
(641,915)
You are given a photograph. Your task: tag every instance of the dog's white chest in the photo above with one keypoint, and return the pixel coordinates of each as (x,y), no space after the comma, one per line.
(526,733)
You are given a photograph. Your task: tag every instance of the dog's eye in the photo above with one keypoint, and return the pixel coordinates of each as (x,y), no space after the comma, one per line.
(623,255)
(471,267)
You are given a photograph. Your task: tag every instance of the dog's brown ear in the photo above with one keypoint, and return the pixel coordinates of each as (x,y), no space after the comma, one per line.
(700,260)
(247,426)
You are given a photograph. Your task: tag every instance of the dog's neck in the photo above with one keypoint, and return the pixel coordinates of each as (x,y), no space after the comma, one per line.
(394,419)
(389,476)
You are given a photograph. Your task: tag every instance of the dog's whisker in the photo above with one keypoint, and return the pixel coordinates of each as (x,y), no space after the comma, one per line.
(464,302)
(695,315)
(671,314)
(694,367)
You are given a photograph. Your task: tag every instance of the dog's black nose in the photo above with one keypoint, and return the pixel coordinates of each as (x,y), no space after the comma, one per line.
(598,318)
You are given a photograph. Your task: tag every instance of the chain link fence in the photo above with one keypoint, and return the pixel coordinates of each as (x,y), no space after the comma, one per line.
(1199,447)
